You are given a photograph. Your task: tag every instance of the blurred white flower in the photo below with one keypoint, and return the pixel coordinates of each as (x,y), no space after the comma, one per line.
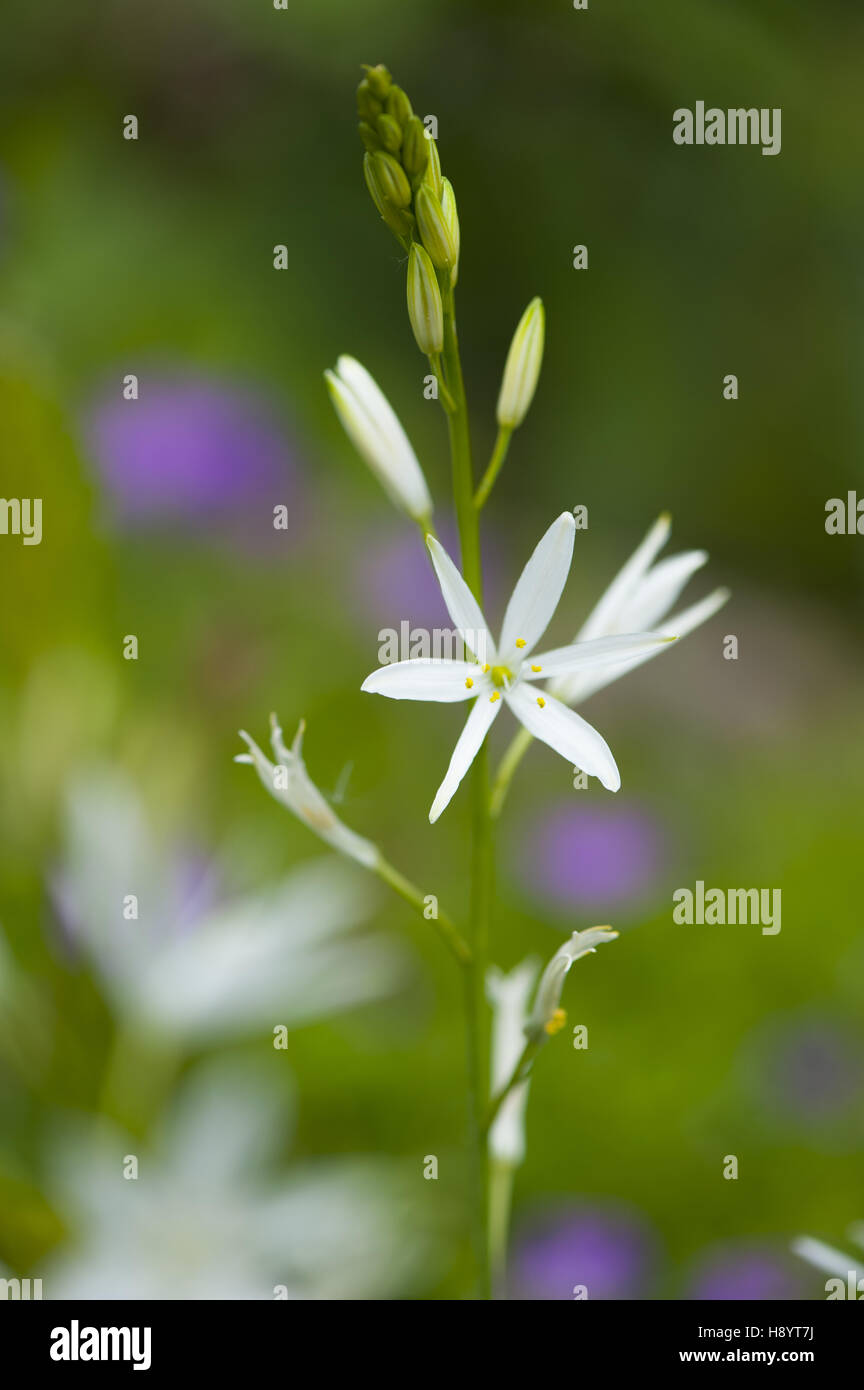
(508,994)
(208,1217)
(638,599)
(507,674)
(281,956)
(375,431)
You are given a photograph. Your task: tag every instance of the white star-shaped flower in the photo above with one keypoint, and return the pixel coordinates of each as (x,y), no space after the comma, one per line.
(507,673)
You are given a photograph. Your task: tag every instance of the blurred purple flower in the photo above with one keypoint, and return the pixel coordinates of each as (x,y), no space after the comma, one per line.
(816,1069)
(598,857)
(190,448)
(745,1272)
(611,1251)
(395,580)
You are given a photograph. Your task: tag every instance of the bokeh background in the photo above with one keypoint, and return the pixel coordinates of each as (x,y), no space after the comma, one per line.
(155,257)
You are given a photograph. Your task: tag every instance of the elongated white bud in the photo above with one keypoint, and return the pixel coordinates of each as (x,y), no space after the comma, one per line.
(522,367)
(373,427)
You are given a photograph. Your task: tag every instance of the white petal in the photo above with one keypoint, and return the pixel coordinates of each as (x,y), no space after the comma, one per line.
(659,589)
(427,679)
(374,428)
(602,651)
(824,1257)
(566,732)
(573,689)
(461,604)
(538,589)
(603,618)
(509,996)
(476,728)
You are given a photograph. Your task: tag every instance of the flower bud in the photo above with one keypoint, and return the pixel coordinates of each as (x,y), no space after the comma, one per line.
(434,230)
(389,132)
(522,367)
(368,105)
(399,220)
(432,177)
(425,309)
(373,427)
(370,137)
(389,179)
(398,106)
(415,149)
(451,217)
(379,80)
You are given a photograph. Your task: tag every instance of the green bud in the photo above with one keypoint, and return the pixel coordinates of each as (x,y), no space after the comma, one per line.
(432,177)
(522,367)
(398,106)
(415,149)
(451,217)
(370,137)
(389,178)
(389,133)
(379,80)
(368,105)
(433,229)
(399,220)
(425,309)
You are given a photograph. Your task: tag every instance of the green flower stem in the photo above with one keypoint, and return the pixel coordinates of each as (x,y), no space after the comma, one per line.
(519,1073)
(446,399)
(446,929)
(481,860)
(516,751)
(499,454)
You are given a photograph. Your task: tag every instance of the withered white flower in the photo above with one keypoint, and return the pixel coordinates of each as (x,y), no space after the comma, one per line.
(546,1015)
(375,431)
(640,597)
(508,673)
(508,995)
(289,782)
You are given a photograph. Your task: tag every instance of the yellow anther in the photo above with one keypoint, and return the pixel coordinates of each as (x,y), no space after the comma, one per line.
(541,702)
(556,1022)
(520,642)
(495,696)
(486,668)
(536,668)
(468,682)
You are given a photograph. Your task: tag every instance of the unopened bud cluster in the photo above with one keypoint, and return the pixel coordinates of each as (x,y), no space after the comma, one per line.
(403,175)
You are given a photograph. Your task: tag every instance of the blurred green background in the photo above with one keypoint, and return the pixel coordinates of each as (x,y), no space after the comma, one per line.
(155,257)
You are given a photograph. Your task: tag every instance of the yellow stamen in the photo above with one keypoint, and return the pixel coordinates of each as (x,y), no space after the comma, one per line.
(494,697)
(520,641)
(486,668)
(556,1022)
(468,683)
(536,668)
(541,702)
